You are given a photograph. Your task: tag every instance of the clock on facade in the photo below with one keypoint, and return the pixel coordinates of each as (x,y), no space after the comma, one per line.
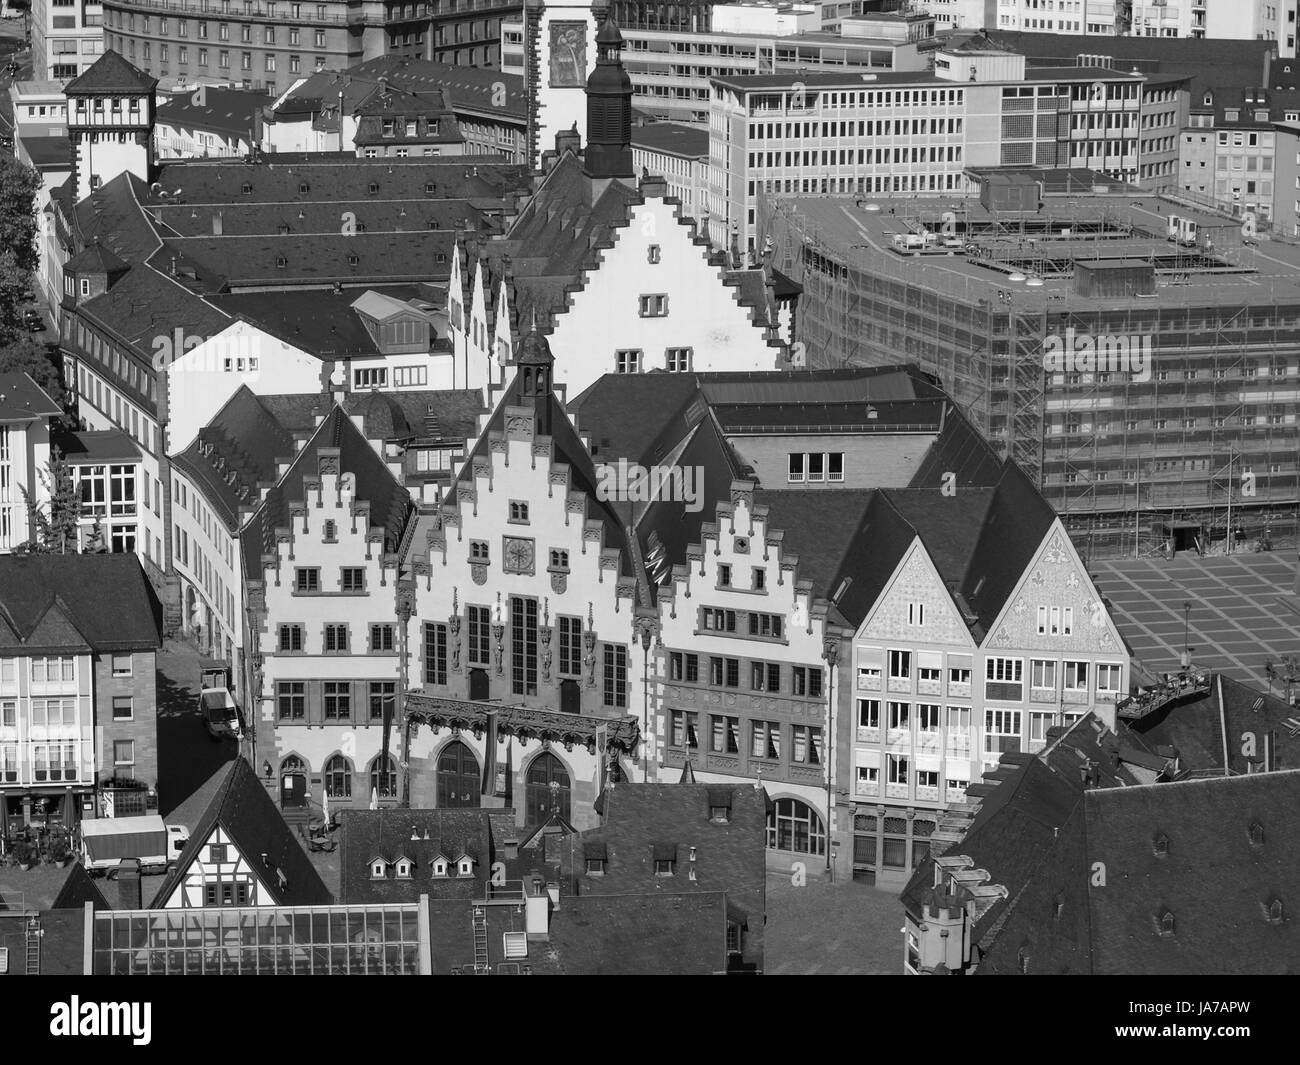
(518,555)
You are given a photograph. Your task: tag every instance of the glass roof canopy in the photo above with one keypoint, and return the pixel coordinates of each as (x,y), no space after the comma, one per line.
(375,940)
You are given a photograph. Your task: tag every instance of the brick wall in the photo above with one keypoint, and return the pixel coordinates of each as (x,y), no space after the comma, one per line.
(141,688)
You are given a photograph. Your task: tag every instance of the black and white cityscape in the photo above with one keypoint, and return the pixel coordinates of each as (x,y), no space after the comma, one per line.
(650,488)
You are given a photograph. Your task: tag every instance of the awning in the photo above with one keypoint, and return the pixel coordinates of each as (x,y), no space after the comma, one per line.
(870,656)
(929,659)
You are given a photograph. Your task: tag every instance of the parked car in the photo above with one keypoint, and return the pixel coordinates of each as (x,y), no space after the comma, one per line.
(217,706)
(33,321)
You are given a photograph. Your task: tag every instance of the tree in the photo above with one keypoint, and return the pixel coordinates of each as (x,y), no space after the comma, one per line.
(54,527)
(25,354)
(18,187)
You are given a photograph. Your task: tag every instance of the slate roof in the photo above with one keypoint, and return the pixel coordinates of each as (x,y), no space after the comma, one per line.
(245,811)
(234,452)
(72,602)
(468,89)
(387,834)
(95,258)
(49,153)
(390,504)
(1214,880)
(111,73)
(319,322)
(447,416)
(1196,729)
(238,219)
(23,400)
(228,111)
(598,935)
(642,821)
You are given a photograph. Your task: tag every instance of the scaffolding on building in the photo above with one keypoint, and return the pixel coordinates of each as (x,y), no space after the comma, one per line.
(1129,465)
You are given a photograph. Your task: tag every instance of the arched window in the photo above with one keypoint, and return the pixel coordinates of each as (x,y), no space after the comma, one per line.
(338,778)
(383,777)
(458,776)
(794,826)
(547,790)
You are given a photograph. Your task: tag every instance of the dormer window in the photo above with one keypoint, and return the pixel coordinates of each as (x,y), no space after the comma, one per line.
(721,814)
(304,188)
(596,856)
(403,869)
(374,188)
(378,869)
(719,805)
(84,282)
(1167,923)
(1160,845)
(1255,833)
(430,187)
(247,188)
(664,867)
(1274,909)
(440,867)
(595,866)
(665,859)
(353,260)
(281,262)
(466,867)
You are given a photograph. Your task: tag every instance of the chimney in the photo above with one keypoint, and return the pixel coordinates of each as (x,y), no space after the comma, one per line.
(128,885)
(653,186)
(568,140)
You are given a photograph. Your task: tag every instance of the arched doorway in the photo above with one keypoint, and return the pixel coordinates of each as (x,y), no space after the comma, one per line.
(458,776)
(547,789)
(293,783)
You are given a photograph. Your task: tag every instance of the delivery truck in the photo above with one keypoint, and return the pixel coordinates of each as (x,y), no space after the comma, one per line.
(108,841)
(217,706)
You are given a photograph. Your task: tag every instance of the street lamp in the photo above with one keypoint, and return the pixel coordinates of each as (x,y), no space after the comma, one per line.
(1187,651)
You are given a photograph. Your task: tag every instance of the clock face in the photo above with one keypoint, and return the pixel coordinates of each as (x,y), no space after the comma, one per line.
(518,555)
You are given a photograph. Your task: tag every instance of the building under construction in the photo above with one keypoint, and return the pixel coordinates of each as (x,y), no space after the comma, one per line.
(1139,358)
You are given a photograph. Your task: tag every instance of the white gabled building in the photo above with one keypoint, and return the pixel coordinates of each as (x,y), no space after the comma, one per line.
(977,630)
(320,557)
(609,267)
(240,850)
(526,678)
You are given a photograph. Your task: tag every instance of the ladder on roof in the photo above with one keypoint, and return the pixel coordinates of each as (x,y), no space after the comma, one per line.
(33,961)
(480,940)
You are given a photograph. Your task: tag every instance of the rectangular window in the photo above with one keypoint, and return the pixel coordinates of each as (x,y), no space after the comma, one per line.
(290,638)
(677,360)
(336,638)
(352,579)
(627,360)
(480,632)
(655,306)
(1001,731)
(724,735)
(523,645)
(338,700)
(306,579)
(383,699)
(570,664)
(122,665)
(435,653)
(1109,677)
(765,740)
(900,665)
(806,744)
(768,626)
(685,728)
(1076,676)
(291,698)
(796,474)
(381,638)
(869,713)
(615,674)
(900,716)
(1042,674)
(122,708)
(124,752)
